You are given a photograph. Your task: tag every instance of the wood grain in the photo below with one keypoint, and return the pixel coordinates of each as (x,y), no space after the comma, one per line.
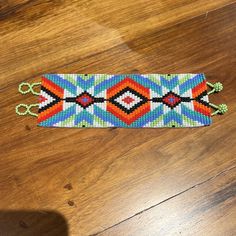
(118,181)
(198,211)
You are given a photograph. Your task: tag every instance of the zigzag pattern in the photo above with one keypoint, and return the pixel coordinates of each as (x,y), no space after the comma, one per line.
(99,100)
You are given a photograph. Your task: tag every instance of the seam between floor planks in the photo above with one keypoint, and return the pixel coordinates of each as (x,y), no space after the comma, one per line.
(168,199)
(75,61)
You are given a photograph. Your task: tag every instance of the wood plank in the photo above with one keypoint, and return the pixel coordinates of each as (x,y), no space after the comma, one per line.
(206,209)
(114,173)
(38,36)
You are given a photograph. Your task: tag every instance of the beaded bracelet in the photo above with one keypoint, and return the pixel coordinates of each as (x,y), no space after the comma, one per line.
(127,100)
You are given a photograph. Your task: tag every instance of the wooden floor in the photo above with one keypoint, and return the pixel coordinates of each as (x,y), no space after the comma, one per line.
(117,182)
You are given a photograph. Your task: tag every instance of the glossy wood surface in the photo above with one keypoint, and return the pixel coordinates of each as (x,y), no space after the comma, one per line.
(117,182)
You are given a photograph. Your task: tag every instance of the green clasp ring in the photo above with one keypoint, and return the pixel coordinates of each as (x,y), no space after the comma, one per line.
(27,109)
(30,88)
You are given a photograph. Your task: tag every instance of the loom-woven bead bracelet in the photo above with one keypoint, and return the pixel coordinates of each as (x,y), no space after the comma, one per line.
(130,100)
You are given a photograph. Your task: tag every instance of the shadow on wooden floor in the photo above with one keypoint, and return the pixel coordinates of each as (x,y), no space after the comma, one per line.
(32,223)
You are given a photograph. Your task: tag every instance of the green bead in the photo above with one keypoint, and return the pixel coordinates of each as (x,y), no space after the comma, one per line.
(218,87)
(222,108)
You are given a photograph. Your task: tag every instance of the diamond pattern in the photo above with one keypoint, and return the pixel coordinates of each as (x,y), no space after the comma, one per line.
(84,100)
(99,100)
(171,99)
(139,105)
